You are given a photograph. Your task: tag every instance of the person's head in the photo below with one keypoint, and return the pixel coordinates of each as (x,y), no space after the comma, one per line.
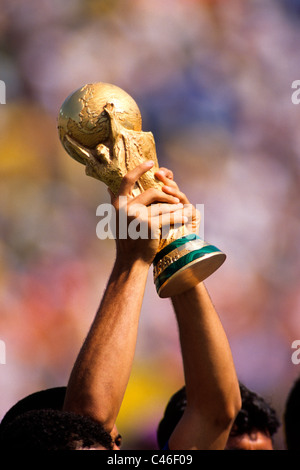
(253,428)
(255,424)
(54,430)
(291,418)
(172,415)
(50,399)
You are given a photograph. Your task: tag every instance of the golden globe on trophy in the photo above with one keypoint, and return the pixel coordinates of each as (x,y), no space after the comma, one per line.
(100,126)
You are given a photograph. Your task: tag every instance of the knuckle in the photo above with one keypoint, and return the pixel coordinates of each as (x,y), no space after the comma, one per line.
(153,193)
(127,178)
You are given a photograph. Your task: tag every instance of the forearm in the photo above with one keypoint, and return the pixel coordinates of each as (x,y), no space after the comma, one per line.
(102,369)
(211,383)
(101,372)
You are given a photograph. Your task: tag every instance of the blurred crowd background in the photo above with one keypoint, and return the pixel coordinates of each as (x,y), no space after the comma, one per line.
(213,82)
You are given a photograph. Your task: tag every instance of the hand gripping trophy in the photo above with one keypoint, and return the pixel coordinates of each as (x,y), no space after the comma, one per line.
(100,126)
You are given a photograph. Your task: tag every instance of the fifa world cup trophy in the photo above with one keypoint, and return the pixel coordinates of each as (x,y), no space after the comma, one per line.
(100,126)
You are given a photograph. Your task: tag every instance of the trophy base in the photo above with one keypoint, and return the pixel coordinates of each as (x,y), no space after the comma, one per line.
(184,263)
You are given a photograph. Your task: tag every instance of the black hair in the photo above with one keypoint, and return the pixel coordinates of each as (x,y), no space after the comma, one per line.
(255,413)
(53,430)
(172,415)
(51,398)
(291,417)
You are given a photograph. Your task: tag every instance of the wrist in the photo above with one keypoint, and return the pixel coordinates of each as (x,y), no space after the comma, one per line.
(190,294)
(135,255)
(127,262)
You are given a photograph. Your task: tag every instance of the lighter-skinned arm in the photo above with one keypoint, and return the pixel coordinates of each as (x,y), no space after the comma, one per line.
(213,395)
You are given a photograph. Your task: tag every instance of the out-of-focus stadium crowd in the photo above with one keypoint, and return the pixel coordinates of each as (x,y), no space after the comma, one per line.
(213,83)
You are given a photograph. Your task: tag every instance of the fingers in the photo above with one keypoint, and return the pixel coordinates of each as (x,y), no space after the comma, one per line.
(160,209)
(170,219)
(175,192)
(152,195)
(146,198)
(170,193)
(165,173)
(157,221)
(159,213)
(163,223)
(170,187)
(166,177)
(129,180)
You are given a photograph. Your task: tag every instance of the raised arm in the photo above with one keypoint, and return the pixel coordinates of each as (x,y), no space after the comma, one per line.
(213,395)
(101,371)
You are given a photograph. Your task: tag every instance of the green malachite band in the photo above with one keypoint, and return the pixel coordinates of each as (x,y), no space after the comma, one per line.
(175,244)
(183,261)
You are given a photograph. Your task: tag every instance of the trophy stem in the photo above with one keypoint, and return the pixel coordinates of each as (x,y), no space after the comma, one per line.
(184,263)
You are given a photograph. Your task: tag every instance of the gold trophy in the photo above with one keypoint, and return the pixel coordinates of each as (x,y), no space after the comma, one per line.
(100,126)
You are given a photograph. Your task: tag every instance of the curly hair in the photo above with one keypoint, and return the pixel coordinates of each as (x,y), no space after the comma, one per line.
(50,398)
(291,417)
(53,430)
(255,413)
